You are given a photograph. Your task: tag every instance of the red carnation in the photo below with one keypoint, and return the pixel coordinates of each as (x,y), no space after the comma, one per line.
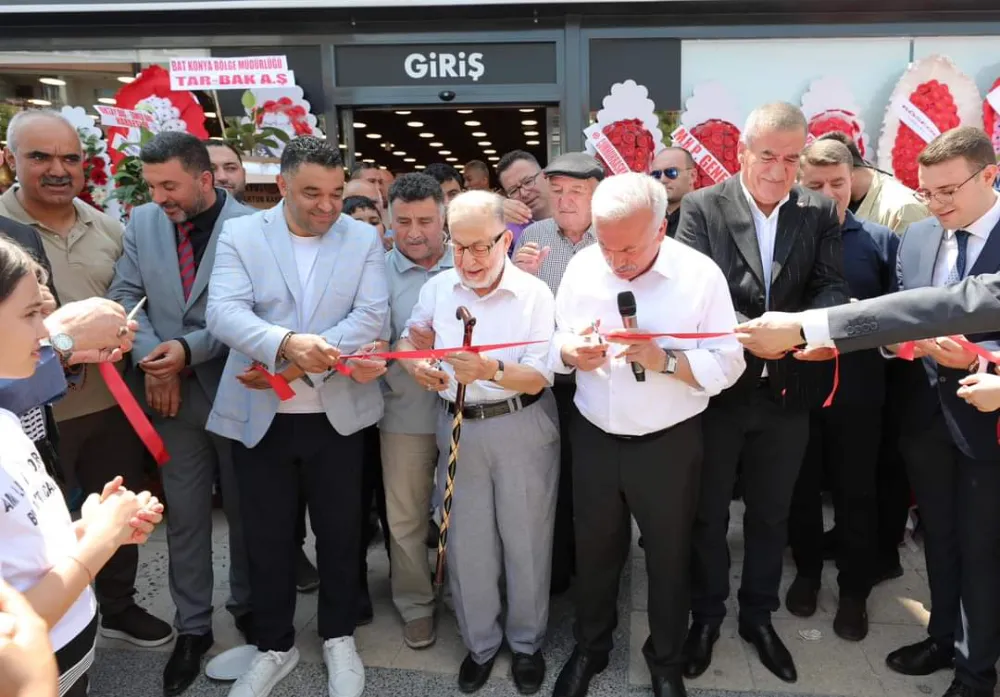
(721,139)
(935,101)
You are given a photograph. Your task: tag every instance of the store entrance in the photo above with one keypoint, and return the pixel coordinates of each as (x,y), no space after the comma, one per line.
(407,139)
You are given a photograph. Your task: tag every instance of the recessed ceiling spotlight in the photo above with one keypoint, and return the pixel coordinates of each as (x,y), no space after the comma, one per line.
(357,154)
(415,124)
(210,114)
(491,151)
(485,143)
(531,142)
(40,102)
(529,122)
(52,81)
(493,158)
(398,153)
(444,152)
(408,159)
(436,144)
(360,124)
(418,166)
(473,123)
(373,136)
(531,134)
(451,159)
(106,100)
(479,134)
(426,135)
(343,146)
(404,113)
(465,111)
(527,111)
(369,160)
(126,79)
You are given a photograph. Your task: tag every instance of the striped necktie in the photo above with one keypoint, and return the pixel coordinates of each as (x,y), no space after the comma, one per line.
(185,257)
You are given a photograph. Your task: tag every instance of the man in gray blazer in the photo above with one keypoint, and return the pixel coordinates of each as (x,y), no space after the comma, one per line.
(293,289)
(177,364)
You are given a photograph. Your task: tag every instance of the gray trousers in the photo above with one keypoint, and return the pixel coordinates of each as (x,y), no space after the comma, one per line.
(502,517)
(188,480)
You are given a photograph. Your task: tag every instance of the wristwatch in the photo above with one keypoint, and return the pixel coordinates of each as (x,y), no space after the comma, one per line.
(63,345)
(670,366)
(498,376)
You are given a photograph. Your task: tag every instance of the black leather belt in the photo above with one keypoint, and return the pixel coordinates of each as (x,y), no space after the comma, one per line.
(488,410)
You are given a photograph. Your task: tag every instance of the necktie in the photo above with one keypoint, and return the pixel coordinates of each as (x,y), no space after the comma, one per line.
(185,257)
(958,271)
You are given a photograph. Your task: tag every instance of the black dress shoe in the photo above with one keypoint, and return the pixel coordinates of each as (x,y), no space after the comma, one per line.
(184,665)
(801,597)
(958,689)
(698,649)
(574,678)
(887,573)
(851,622)
(923,658)
(770,649)
(668,687)
(472,676)
(528,671)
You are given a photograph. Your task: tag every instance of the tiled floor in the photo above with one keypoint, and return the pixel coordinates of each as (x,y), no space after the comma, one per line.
(827,665)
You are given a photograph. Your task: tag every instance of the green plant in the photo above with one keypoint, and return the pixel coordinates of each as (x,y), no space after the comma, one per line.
(249,138)
(130,188)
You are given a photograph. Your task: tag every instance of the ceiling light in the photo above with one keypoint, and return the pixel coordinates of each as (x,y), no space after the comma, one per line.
(404,113)
(398,153)
(373,136)
(451,159)
(493,158)
(357,154)
(126,79)
(460,168)
(107,100)
(415,124)
(479,134)
(527,111)
(465,111)
(491,151)
(531,142)
(472,123)
(529,122)
(426,135)
(359,124)
(215,138)
(210,114)
(418,166)
(52,81)
(485,143)
(444,152)
(436,144)
(408,159)
(343,146)
(94,116)
(369,160)
(40,102)
(531,134)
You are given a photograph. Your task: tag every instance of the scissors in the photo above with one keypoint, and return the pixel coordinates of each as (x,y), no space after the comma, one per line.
(332,371)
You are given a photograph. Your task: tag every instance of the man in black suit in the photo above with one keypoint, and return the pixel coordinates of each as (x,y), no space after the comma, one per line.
(779,245)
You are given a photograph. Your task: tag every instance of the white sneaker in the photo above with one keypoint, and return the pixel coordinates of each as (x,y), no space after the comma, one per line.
(343,664)
(266,670)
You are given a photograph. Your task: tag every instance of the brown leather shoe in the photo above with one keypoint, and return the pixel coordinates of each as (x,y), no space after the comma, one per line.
(419,633)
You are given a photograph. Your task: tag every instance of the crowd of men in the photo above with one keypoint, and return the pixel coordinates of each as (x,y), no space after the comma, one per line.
(625,395)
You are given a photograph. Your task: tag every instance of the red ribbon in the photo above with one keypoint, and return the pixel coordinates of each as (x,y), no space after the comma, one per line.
(277,383)
(134,413)
(907,350)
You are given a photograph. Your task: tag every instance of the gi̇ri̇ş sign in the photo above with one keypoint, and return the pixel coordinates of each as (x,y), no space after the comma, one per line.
(230,73)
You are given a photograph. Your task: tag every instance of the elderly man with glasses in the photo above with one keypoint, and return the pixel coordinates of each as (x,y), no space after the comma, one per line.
(676,170)
(504,502)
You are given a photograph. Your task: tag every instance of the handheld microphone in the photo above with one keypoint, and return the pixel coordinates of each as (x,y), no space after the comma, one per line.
(627,309)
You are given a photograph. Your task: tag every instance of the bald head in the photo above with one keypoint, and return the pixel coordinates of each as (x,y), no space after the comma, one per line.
(362,187)
(35,119)
(45,152)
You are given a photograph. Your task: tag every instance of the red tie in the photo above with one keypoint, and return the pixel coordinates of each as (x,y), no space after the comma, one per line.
(185,257)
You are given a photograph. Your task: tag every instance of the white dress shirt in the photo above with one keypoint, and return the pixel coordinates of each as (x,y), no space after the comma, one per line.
(816,323)
(683,292)
(521,308)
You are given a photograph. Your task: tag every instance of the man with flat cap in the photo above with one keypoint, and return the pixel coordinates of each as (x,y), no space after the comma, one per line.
(545,249)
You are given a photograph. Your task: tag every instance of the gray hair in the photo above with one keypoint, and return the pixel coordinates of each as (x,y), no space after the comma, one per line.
(24,118)
(772,118)
(470,202)
(622,195)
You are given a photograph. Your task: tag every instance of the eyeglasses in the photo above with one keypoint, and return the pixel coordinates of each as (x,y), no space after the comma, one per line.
(479,250)
(526,183)
(669,172)
(947,196)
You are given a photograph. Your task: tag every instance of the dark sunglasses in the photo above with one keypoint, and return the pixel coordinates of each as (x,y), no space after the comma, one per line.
(669,173)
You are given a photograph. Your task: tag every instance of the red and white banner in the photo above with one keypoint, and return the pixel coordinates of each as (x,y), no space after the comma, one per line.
(114,116)
(918,121)
(708,163)
(230,73)
(607,150)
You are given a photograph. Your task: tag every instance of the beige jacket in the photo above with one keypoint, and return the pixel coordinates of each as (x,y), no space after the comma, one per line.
(889,202)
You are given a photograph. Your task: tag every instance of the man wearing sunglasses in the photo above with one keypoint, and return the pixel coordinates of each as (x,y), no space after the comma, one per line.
(675,169)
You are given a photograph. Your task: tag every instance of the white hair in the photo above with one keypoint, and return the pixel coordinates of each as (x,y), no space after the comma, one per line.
(771,118)
(476,201)
(23,118)
(622,195)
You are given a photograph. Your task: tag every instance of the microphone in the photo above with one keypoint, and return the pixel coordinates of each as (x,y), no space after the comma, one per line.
(627,309)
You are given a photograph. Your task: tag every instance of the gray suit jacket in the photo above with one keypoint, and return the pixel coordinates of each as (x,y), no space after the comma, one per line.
(148,267)
(255,299)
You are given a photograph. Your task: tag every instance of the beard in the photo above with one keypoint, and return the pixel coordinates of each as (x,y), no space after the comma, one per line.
(488,280)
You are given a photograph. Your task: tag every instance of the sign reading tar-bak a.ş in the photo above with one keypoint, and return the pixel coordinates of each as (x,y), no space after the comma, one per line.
(230,73)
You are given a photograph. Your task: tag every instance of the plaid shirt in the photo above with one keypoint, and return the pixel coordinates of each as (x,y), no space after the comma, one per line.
(545,233)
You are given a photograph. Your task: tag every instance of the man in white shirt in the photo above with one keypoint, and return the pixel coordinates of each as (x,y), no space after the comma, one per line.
(505,488)
(637,445)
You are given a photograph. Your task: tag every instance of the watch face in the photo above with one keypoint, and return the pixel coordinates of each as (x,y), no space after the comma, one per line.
(63,343)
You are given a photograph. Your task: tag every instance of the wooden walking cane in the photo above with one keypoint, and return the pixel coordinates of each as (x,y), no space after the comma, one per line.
(468,321)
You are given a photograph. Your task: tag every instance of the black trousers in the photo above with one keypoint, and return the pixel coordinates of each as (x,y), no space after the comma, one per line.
(771,442)
(563,544)
(297,447)
(958,500)
(84,452)
(655,480)
(844,441)
(72,658)
(892,483)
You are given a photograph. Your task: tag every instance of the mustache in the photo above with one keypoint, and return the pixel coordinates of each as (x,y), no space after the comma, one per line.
(56,181)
